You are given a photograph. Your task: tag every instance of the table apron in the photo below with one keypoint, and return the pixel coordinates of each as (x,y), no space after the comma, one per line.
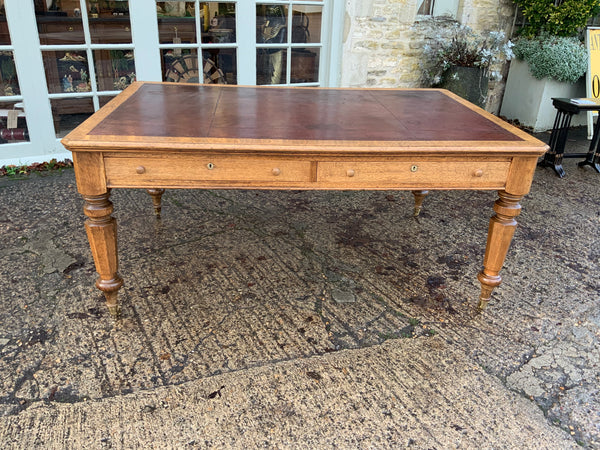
(270,172)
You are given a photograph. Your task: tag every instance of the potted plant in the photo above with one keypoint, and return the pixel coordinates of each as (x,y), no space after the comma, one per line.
(550,60)
(462,60)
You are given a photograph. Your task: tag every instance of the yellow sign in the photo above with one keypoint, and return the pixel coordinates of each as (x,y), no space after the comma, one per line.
(593,77)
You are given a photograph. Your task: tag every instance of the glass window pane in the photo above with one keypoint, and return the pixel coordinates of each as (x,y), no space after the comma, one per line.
(110,23)
(115,69)
(4,34)
(271,65)
(66,71)
(104,99)
(9,84)
(305,65)
(218,66)
(271,24)
(69,113)
(10,135)
(306,24)
(218,22)
(176,22)
(59,22)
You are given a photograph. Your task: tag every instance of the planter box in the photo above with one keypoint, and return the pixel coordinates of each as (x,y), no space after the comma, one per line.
(529,100)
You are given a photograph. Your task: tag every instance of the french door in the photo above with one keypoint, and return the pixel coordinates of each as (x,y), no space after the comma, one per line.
(70,57)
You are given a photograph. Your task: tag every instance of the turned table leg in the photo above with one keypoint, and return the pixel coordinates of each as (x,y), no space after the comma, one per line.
(101,230)
(156,195)
(500,233)
(419,197)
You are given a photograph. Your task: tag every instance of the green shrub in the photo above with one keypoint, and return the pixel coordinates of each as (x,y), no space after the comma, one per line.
(557,17)
(559,58)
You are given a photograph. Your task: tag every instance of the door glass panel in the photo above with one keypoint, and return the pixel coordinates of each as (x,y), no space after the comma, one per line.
(104,99)
(4,34)
(59,22)
(66,71)
(218,66)
(218,22)
(306,24)
(115,69)
(305,65)
(176,22)
(68,113)
(18,133)
(271,24)
(9,84)
(271,65)
(109,22)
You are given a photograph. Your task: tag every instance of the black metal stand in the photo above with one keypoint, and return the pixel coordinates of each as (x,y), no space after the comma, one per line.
(565,110)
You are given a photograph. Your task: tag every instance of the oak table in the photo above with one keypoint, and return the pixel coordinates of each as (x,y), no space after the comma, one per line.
(167,135)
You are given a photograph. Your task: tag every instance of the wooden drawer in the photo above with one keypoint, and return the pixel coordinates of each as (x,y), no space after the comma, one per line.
(414,174)
(181,170)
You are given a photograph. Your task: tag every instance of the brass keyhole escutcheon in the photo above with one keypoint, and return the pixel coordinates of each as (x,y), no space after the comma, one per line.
(140,169)
(414,168)
(210,166)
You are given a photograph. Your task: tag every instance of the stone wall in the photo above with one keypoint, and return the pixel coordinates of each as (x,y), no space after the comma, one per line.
(384,40)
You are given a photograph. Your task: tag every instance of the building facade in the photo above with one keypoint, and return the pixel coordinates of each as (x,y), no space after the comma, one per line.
(61,60)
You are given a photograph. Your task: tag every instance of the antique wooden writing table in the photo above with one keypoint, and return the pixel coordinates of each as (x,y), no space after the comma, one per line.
(164,135)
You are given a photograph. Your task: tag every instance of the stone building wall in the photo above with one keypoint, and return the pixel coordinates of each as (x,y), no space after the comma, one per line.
(384,40)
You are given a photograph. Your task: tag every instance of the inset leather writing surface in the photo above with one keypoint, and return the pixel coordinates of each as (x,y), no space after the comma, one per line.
(205,111)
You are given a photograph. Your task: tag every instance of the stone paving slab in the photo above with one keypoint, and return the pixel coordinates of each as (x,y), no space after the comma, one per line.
(401,394)
(237,284)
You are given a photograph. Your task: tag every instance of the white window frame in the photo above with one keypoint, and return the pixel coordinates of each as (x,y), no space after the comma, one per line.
(43,144)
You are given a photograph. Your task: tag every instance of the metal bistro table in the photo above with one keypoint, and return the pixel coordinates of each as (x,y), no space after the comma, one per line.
(566,108)
(167,135)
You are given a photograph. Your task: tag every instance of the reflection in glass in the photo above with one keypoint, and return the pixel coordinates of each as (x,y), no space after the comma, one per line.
(59,24)
(109,22)
(306,24)
(271,65)
(68,113)
(218,22)
(15,134)
(177,23)
(305,65)
(9,84)
(115,69)
(66,71)
(218,66)
(104,99)
(271,24)
(4,34)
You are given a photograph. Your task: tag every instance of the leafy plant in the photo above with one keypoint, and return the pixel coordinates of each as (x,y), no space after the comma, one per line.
(560,58)
(556,17)
(459,45)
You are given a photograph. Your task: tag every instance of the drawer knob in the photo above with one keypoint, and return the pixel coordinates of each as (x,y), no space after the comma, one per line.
(140,169)
(350,172)
(70,28)
(478,173)
(414,168)
(276,171)
(210,166)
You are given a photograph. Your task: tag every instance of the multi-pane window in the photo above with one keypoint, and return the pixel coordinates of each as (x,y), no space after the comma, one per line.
(88,55)
(197,41)
(288,42)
